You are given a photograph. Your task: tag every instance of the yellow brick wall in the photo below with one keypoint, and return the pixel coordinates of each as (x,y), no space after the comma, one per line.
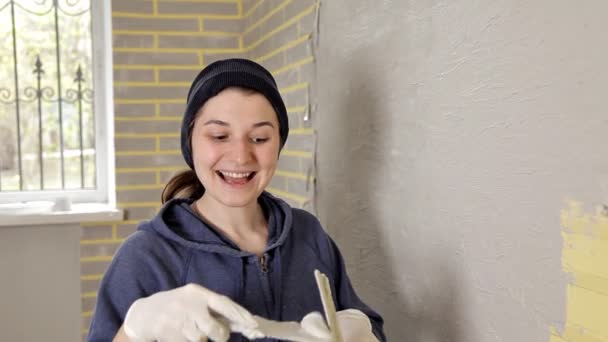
(158,47)
(279,35)
(585,259)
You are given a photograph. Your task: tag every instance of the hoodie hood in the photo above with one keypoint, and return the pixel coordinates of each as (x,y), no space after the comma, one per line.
(177,222)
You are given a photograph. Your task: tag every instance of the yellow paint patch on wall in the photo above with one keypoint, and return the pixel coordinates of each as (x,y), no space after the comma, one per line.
(585,257)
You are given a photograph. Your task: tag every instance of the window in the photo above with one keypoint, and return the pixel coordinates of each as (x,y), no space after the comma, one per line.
(56,101)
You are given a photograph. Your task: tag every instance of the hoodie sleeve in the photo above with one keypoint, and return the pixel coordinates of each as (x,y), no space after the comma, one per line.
(137,270)
(347,297)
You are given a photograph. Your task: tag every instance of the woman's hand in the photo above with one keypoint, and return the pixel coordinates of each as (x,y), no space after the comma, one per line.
(187,313)
(355,326)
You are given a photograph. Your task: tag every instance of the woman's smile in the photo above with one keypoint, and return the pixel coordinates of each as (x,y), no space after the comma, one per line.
(236,179)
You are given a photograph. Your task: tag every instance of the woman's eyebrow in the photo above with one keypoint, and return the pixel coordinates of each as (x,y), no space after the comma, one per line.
(224,123)
(216,122)
(263,123)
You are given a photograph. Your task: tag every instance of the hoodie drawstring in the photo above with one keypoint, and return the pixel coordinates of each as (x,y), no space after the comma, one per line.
(278,282)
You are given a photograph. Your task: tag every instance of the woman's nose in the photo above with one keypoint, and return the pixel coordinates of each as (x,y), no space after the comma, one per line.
(242,151)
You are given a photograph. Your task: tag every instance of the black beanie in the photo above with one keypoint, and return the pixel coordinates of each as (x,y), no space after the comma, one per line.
(219,75)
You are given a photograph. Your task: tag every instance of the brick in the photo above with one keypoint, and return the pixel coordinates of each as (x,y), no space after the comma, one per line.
(262,45)
(86,323)
(147,126)
(98,250)
(289,163)
(135,144)
(142,195)
(272,23)
(307,24)
(297,7)
(298,53)
(177,75)
(199,42)
(295,112)
(133,6)
(173,109)
(134,109)
(306,165)
(296,98)
(308,206)
(248,21)
(124,230)
(298,186)
(165,176)
(302,109)
(155,24)
(135,178)
(140,213)
(273,63)
(288,77)
(89,285)
(307,72)
(251,37)
(248,5)
(87,304)
(265,8)
(150,161)
(256,53)
(278,182)
(197,8)
(259,12)
(91,268)
(223,25)
(277,39)
(294,120)
(283,37)
(133,75)
(292,203)
(156,58)
(96,232)
(170,144)
(159,92)
(210,57)
(274,3)
(130,40)
(300,142)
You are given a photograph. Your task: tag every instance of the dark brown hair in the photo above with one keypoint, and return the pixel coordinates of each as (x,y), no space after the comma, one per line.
(184,184)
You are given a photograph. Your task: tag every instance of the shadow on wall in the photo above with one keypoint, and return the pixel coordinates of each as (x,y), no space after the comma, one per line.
(419,302)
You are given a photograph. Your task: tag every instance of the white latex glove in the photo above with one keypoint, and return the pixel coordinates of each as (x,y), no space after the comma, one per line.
(355,326)
(187,313)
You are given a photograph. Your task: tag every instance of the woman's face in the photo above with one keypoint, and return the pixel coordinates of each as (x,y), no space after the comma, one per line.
(235,146)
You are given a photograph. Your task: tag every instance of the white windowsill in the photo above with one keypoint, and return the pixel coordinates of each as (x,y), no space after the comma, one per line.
(79,213)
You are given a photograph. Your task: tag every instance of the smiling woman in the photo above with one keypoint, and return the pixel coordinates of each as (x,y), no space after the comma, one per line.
(223,255)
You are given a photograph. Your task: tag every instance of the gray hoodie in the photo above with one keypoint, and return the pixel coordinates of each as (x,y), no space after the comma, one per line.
(177,248)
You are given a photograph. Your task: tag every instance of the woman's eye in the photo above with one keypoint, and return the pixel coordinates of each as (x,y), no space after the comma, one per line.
(219,137)
(259,140)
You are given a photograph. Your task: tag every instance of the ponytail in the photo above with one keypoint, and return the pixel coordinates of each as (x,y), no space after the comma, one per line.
(184,184)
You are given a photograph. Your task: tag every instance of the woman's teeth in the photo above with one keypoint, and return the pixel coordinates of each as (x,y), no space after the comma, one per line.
(235,174)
